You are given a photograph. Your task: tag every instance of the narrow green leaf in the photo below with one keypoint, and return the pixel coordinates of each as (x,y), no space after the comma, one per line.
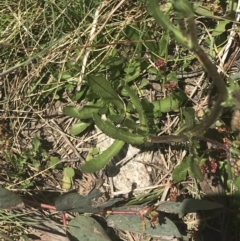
(131,124)
(114,132)
(102,159)
(189,115)
(144,83)
(84,113)
(103,88)
(203,10)
(79,127)
(77,95)
(115,116)
(183,8)
(187,206)
(163,43)
(137,104)
(195,171)
(113,61)
(163,20)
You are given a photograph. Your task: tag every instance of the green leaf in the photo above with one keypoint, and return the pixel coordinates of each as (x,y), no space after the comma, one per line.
(166,229)
(237,183)
(203,10)
(95,151)
(79,127)
(8,199)
(183,8)
(163,21)
(115,116)
(113,61)
(102,159)
(163,43)
(144,83)
(189,115)
(180,171)
(117,133)
(68,174)
(132,70)
(132,33)
(87,229)
(77,95)
(65,75)
(221,28)
(194,170)
(102,87)
(84,113)
(170,103)
(145,198)
(187,206)
(55,162)
(137,104)
(72,201)
(131,124)
(36,143)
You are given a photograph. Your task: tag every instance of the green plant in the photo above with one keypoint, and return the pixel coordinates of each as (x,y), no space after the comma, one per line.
(120,101)
(30,158)
(148,219)
(122,64)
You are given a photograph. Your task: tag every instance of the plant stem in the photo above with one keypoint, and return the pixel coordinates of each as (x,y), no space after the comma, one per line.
(217,79)
(211,69)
